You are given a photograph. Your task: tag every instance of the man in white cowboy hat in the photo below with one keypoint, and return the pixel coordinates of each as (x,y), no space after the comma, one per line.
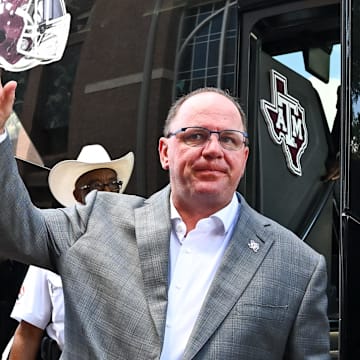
(71,180)
(40,305)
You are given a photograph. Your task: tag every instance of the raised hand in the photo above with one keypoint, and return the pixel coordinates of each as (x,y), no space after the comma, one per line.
(7,97)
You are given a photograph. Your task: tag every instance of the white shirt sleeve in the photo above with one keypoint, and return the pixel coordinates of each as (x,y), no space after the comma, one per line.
(34,303)
(3,136)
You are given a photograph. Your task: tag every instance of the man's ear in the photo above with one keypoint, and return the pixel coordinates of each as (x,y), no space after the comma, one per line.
(163,153)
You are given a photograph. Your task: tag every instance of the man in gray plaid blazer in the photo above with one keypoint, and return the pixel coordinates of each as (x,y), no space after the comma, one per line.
(190,273)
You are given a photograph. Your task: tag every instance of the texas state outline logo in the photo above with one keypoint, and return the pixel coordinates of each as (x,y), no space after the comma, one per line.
(285,120)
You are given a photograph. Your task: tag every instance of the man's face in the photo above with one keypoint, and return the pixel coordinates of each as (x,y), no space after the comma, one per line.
(100,179)
(209,174)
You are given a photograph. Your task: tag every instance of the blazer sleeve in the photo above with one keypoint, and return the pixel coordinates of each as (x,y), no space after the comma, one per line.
(309,338)
(28,234)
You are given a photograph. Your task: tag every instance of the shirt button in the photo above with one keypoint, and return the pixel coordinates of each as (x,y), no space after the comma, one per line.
(187,251)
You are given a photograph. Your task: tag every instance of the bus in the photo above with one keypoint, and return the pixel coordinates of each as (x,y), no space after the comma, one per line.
(293,66)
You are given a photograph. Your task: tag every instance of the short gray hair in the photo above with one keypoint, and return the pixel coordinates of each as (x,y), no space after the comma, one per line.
(177,104)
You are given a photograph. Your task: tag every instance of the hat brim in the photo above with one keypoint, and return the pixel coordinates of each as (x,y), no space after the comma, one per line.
(62,176)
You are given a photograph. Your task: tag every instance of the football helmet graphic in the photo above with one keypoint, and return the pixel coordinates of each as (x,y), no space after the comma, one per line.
(32,32)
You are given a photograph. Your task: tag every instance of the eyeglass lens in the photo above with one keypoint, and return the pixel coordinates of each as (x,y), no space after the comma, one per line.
(229,139)
(112,186)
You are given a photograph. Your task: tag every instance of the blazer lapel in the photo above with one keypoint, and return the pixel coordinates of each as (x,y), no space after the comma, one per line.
(152,226)
(245,253)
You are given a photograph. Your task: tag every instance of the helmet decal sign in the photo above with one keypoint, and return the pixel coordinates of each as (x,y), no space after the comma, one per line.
(32,32)
(285,120)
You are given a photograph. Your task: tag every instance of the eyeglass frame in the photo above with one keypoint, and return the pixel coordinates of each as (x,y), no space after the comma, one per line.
(183,129)
(91,187)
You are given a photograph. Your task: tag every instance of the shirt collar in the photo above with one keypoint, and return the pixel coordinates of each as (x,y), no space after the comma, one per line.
(226,215)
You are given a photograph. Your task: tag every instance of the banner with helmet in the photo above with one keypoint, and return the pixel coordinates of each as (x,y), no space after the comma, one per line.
(32,32)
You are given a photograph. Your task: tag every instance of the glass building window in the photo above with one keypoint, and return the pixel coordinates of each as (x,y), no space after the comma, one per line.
(207,48)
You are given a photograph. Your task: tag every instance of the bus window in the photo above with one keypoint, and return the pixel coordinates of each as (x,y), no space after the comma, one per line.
(327,91)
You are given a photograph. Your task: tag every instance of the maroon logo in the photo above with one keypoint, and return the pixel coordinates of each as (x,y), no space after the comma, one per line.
(285,119)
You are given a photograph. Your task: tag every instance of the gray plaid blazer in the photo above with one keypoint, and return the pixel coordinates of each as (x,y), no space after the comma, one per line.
(112,254)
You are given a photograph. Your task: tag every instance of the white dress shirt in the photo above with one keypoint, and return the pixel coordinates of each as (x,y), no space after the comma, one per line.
(194,260)
(41,303)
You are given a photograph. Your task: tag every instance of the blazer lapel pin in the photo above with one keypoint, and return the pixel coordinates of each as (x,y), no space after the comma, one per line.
(254,246)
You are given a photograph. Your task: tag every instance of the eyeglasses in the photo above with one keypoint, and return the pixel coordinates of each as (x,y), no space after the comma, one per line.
(113,186)
(199,136)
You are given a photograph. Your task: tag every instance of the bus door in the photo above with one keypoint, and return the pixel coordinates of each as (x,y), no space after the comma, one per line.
(290,152)
(288,80)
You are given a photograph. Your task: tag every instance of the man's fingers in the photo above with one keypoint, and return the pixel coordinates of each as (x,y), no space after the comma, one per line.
(7,97)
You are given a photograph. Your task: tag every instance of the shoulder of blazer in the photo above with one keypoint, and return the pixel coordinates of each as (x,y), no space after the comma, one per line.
(124,204)
(266,228)
(162,195)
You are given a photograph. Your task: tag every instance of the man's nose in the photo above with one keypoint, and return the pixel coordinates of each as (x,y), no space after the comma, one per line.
(213,144)
(107,187)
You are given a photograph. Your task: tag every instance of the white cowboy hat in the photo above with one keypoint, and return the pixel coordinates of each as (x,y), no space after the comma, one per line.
(63,175)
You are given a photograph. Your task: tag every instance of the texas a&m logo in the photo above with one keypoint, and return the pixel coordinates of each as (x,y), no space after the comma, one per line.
(285,119)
